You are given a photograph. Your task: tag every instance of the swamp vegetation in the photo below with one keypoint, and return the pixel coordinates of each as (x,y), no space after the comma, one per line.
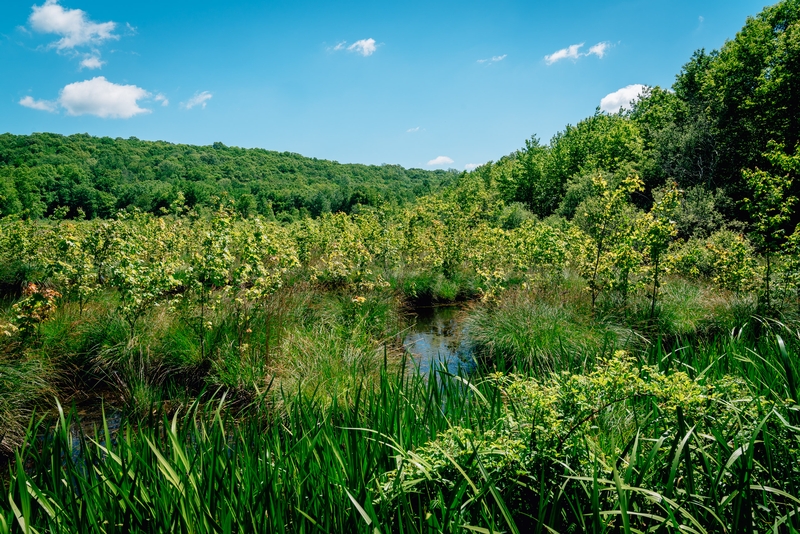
(628,297)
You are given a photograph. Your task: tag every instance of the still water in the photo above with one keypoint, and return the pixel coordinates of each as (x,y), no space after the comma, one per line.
(440,339)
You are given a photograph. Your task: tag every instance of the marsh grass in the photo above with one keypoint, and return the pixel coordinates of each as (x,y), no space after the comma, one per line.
(541,334)
(427,287)
(300,336)
(313,470)
(21,379)
(341,343)
(428,455)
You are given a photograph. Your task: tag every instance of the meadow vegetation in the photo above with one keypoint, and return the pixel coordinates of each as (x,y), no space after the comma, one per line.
(632,298)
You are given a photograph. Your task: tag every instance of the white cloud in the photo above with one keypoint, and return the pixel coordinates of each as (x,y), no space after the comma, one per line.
(621,99)
(493,59)
(412,130)
(102,98)
(440,160)
(42,105)
(365,47)
(161,98)
(472,166)
(72,25)
(92,62)
(598,50)
(97,97)
(199,99)
(701,19)
(573,52)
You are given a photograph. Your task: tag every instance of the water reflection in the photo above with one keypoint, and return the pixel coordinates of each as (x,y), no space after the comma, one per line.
(440,338)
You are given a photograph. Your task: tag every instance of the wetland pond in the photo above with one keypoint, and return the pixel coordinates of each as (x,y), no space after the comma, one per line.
(440,339)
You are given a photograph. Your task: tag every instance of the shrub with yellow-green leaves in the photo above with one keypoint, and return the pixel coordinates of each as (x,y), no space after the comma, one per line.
(725,258)
(691,259)
(336,252)
(789,268)
(578,426)
(735,264)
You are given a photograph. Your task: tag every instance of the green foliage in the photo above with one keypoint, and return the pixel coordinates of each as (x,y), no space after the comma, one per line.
(36,306)
(672,448)
(726,108)
(536,433)
(599,143)
(21,379)
(725,257)
(770,207)
(701,212)
(297,323)
(526,326)
(40,173)
(791,265)
(750,86)
(735,266)
(623,381)
(145,268)
(608,221)
(657,231)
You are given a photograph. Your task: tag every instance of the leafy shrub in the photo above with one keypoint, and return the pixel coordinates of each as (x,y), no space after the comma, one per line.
(621,413)
(725,257)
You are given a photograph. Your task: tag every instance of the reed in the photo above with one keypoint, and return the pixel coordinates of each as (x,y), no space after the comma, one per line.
(701,438)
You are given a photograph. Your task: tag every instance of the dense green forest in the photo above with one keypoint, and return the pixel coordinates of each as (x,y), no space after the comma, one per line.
(82,176)
(629,293)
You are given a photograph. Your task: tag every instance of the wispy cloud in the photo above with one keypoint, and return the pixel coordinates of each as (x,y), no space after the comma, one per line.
(365,47)
(573,52)
(598,50)
(493,59)
(700,20)
(469,167)
(412,130)
(41,105)
(440,160)
(622,98)
(199,99)
(161,98)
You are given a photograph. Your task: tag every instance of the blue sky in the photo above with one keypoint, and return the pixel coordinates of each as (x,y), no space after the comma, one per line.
(430,84)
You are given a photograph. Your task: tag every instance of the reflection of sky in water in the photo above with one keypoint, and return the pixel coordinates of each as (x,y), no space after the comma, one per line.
(439,338)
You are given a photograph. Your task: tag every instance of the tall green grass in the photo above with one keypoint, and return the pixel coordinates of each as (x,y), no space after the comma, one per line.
(542,334)
(299,336)
(706,442)
(313,469)
(21,379)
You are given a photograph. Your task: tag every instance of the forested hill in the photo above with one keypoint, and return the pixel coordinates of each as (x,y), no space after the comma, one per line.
(44,173)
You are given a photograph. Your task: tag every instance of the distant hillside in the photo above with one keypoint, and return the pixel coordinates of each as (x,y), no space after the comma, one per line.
(44,172)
